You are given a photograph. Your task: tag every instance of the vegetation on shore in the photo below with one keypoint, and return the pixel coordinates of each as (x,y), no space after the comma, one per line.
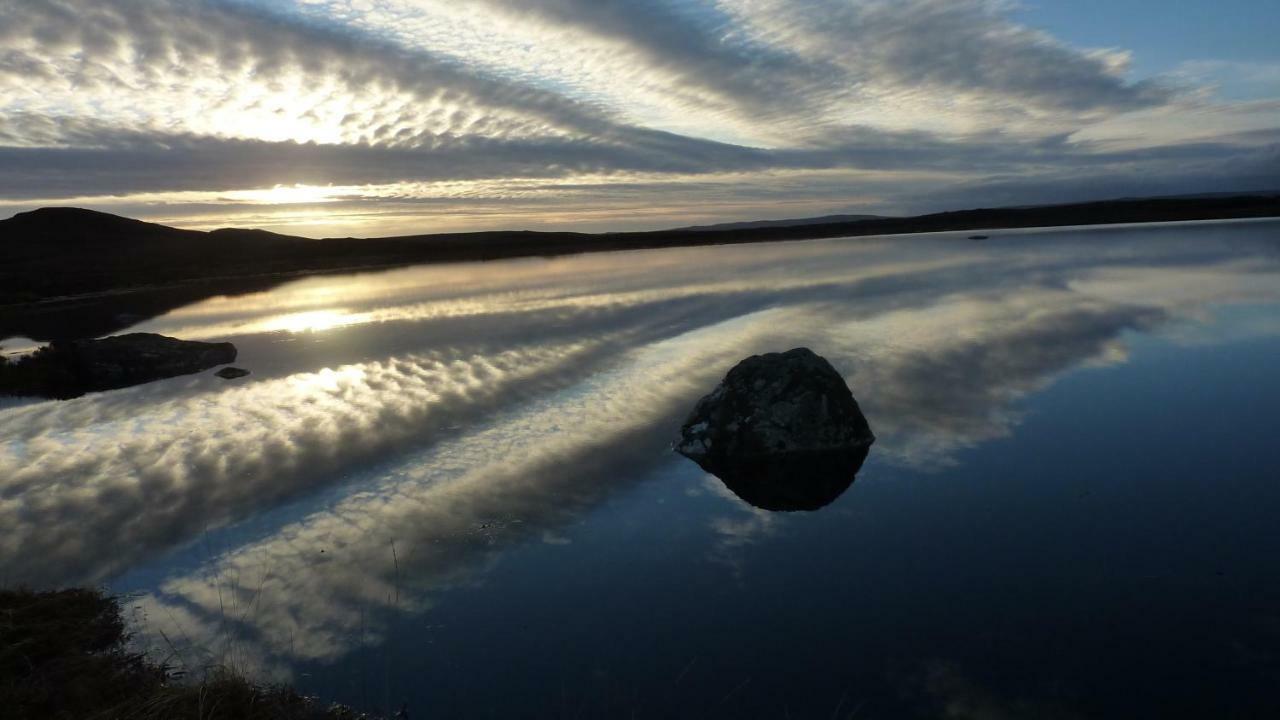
(65,655)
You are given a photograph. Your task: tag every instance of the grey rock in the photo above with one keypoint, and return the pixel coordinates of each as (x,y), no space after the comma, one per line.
(775,404)
(231,373)
(782,430)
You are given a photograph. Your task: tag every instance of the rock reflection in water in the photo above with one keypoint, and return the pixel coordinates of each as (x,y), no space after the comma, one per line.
(792,482)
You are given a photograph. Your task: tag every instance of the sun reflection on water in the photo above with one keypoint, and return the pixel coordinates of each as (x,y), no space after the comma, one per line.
(312,321)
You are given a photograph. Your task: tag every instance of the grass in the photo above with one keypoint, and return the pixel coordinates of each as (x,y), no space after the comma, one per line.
(65,654)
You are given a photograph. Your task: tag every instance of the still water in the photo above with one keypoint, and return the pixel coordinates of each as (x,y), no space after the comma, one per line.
(450,488)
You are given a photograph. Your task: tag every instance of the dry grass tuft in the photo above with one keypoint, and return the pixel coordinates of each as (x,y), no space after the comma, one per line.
(64,655)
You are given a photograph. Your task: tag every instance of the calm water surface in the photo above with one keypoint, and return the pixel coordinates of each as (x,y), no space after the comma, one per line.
(451,487)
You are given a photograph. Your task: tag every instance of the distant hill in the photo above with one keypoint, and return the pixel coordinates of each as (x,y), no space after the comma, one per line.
(68,272)
(69,226)
(75,225)
(823,220)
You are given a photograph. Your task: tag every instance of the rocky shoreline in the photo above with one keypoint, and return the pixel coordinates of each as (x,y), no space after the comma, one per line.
(68,369)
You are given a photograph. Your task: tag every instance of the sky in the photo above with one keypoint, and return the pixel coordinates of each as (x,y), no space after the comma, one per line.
(379,117)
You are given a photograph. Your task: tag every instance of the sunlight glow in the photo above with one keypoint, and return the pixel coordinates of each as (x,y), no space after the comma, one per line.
(311,321)
(286,194)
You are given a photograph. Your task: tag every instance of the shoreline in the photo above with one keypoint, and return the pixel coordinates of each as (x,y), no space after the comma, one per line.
(287,275)
(69,274)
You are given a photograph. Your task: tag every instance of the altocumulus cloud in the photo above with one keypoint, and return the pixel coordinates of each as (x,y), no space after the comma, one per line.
(713,108)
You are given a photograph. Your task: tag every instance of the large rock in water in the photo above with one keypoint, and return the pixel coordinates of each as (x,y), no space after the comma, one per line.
(68,369)
(782,430)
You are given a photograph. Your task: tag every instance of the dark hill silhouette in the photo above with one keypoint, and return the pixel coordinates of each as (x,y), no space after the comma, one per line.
(792,222)
(75,226)
(69,224)
(64,271)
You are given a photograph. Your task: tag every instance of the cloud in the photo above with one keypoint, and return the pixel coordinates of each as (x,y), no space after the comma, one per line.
(966,50)
(107,162)
(1184,170)
(107,102)
(766,59)
(692,45)
(773,68)
(232,71)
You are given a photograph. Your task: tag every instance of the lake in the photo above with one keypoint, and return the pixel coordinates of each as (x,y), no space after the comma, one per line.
(450,488)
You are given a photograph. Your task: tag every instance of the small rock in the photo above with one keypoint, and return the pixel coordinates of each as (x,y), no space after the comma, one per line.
(231,373)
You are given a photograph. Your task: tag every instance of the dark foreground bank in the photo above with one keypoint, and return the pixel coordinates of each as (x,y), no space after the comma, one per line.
(64,654)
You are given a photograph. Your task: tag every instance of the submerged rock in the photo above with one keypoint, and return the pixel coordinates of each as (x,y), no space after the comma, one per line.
(231,373)
(68,369)
(782,430)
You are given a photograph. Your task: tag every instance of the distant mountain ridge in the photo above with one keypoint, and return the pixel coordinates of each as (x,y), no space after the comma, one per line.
(64,272)
(795,222)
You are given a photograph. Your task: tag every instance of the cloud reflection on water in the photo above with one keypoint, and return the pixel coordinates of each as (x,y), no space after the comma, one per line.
(86,501)
(948,376)
(451,511)
(474,407)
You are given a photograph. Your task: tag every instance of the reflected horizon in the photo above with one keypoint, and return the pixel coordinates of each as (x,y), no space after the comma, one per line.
(405,433)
